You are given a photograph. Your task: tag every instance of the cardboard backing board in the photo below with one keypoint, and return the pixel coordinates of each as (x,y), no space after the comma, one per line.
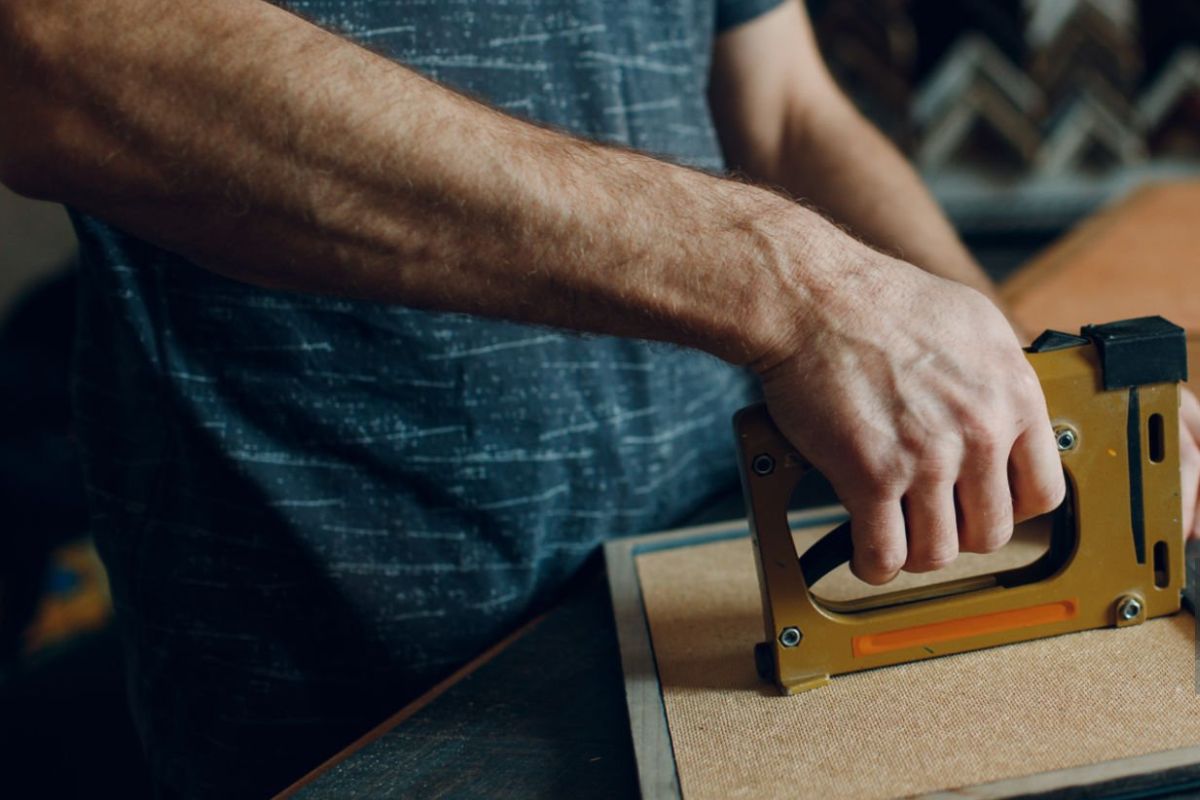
(1116,709)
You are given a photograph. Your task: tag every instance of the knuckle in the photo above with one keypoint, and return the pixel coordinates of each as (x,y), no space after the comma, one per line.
(933,556)
(939,465)
(986,436)
(882,561)
(997,539)
(1025,384)
(860,457)
(1043,495)
(991,540)
(882,480)
(921,441)
(1054,491)
(923,445)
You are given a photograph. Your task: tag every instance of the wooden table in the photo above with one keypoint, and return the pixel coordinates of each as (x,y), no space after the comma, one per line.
(1137,258)
(543,714)
(540,715)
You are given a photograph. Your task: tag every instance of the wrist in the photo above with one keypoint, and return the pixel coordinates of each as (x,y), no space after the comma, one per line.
(789,252)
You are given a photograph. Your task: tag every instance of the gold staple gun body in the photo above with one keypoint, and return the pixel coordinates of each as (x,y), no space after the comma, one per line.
(1115,556)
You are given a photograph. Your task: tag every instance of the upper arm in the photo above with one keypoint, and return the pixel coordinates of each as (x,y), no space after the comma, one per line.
(767,77)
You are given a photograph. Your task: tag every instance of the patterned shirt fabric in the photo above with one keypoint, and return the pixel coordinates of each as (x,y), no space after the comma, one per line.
(312,508)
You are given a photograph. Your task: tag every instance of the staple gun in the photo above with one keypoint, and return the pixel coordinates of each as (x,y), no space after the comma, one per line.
(1115,554)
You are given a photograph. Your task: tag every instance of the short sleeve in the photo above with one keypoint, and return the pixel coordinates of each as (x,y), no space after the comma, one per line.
(731,13)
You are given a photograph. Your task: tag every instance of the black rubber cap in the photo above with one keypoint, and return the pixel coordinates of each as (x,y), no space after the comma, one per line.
(1135,352)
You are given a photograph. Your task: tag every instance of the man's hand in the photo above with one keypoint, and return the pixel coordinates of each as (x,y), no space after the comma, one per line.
(911,394)
(1189,463)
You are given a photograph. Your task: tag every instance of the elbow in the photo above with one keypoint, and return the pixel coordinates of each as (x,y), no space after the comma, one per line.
(30,156)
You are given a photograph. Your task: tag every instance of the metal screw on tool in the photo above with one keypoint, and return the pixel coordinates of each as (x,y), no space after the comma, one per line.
(763,464)
(1066,439)
(790,637)
(1129,608)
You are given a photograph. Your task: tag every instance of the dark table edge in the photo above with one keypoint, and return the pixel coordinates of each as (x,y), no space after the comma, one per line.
(412,708)
(655,756)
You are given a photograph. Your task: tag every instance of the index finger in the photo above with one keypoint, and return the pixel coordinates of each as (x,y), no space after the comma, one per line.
(1035,473)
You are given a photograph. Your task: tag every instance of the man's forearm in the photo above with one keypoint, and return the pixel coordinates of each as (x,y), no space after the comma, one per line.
(837,161)
(276,153)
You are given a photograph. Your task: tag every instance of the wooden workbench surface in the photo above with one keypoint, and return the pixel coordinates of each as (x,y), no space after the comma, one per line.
(1137,258)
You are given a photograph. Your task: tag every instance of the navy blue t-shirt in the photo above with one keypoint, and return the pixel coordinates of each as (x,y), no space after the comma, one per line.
(312,508)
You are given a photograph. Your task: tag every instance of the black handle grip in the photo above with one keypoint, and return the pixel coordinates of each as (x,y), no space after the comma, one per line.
(827,554)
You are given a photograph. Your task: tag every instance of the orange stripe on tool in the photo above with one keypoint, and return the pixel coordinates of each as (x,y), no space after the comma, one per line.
(964,627)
